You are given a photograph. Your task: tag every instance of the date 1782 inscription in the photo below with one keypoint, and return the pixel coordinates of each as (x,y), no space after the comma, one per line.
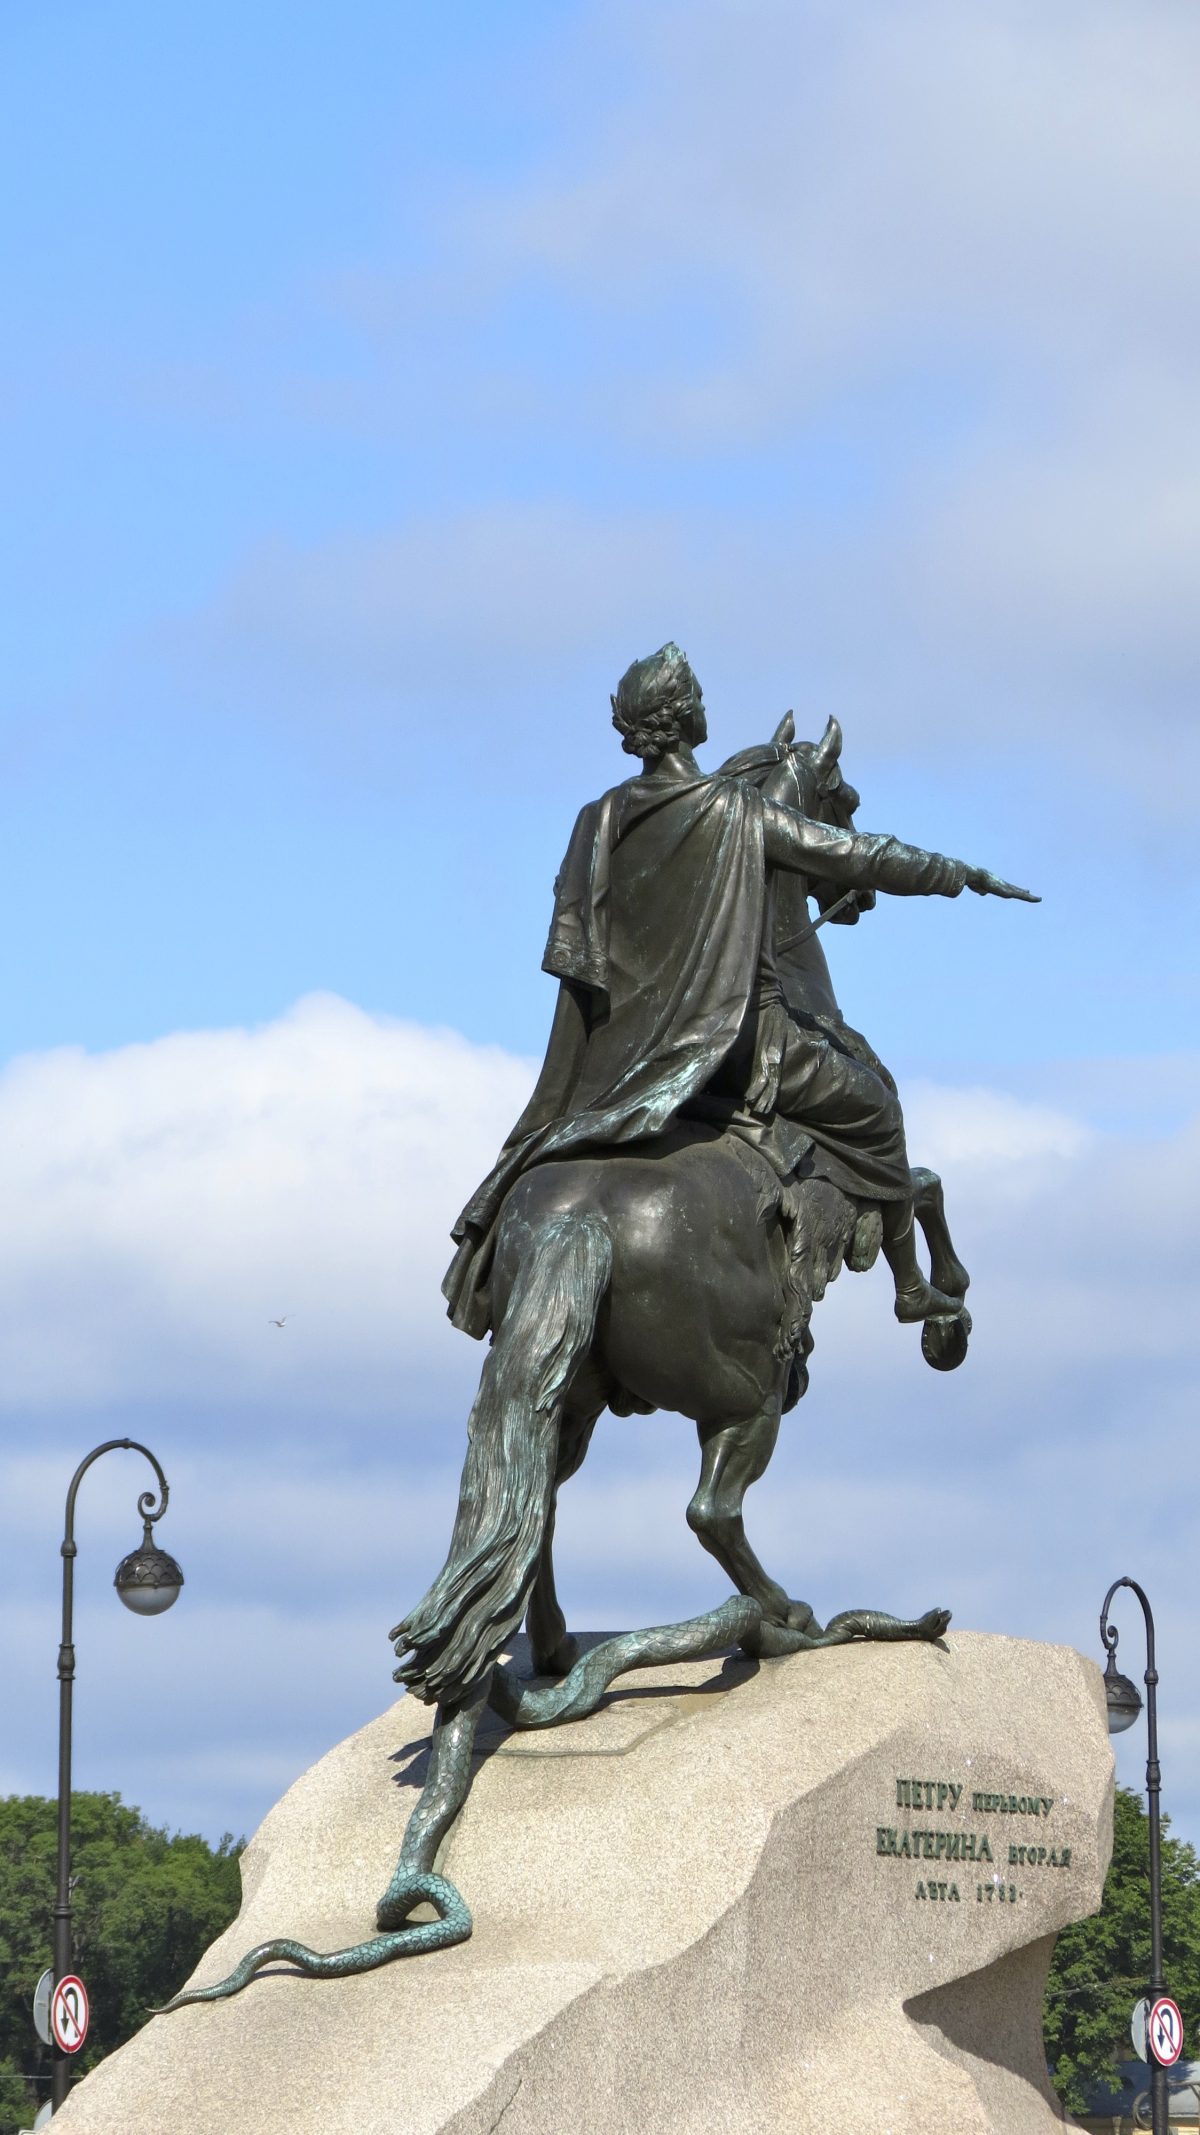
(981,1848)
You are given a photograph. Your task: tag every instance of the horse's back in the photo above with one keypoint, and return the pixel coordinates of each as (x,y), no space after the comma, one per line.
(693,1310)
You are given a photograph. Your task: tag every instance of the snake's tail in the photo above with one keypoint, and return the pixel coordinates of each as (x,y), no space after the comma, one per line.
(416,1938)
(296,1953)
(772,1641)
(876,1625)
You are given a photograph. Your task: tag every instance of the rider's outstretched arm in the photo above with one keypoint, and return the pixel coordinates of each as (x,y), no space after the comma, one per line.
(870,860)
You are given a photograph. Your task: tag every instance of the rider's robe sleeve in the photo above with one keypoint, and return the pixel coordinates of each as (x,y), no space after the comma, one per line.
(857,859)
(658,922)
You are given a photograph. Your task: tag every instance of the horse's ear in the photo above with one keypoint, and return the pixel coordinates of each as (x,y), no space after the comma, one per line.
(785,732)
(825,754)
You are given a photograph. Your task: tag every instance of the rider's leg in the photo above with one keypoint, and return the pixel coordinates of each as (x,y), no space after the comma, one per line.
(857,1125)
(734,1455)
(554,1650)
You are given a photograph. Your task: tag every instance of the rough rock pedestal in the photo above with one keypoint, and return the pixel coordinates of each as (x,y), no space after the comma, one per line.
(820,1893)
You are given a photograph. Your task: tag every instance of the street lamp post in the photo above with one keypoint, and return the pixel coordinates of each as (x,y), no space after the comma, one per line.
(148,1581)
(1124,1705)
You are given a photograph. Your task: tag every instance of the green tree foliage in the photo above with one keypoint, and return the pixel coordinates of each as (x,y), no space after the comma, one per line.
(1101,1965)
(146,1906)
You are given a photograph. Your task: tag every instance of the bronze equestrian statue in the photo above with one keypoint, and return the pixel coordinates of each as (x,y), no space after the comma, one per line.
(708,1142)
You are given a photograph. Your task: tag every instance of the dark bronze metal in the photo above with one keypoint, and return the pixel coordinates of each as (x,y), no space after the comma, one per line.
(1118,1692)
(739,1621)
(849,897)
(150,1509)
(709,1142)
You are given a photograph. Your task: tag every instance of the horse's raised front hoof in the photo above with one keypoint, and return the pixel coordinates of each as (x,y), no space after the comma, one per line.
(944,1341)
(560,1659)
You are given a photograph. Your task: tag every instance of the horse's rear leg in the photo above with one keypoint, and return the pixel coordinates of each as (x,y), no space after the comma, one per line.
(732,1456)
(554,1651)
(946,1269)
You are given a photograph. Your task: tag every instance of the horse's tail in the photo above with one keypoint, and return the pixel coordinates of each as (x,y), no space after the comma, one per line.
(460,1627)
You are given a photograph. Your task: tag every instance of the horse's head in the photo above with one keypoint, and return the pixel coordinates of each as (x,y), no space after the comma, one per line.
(823,794)
(806,775)
(802,774)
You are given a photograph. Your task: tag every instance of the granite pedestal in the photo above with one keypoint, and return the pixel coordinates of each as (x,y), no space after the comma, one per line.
(821,1893)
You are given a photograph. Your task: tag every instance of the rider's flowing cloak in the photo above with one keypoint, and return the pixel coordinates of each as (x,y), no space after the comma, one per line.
(658,921)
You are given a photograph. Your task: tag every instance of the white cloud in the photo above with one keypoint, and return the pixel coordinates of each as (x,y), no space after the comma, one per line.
(163,1202)
(988,215)
(863,182)
(989,1132)
(946,253)
(855,347)
(451,602)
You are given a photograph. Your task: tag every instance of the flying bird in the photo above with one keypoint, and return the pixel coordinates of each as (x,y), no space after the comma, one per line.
(277,1323)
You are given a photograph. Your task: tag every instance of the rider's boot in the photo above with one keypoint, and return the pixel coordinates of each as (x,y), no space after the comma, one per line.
(916,1298)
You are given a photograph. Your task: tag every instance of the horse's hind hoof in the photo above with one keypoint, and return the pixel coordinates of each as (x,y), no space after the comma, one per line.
(944,1341)
(560,1660)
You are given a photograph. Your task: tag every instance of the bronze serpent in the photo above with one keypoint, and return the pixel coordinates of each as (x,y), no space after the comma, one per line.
(739,1622)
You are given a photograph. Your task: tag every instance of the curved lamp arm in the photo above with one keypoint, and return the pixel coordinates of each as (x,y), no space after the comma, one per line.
(1109,1633)
(146,1504)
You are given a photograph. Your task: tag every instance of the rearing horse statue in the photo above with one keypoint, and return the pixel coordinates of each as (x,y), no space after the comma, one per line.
(626,1268)
(709,1142)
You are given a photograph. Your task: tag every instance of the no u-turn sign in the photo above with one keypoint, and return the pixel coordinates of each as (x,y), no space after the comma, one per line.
(1164,2031)
(69,2013)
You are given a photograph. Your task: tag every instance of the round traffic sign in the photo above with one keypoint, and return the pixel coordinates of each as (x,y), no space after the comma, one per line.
(1164,2030)
(69,2013)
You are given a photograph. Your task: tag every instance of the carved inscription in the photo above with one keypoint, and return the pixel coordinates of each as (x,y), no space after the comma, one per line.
(932,1845)
(909,1841)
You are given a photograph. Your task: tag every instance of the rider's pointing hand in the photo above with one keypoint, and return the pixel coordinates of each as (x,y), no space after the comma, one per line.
(986,884)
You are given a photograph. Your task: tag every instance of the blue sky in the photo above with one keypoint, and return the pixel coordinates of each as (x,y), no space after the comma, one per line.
(378,382)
